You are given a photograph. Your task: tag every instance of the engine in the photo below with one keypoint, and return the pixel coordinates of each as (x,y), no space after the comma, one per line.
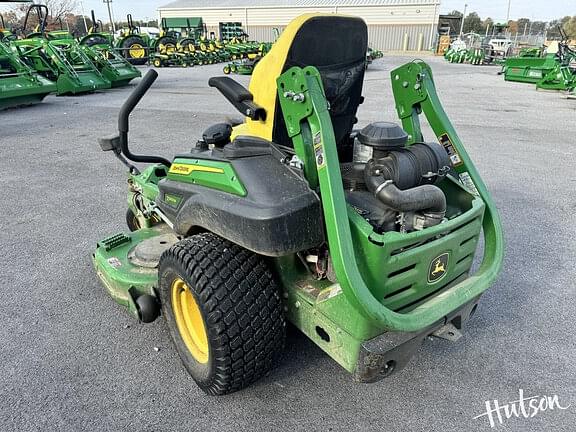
(394,186)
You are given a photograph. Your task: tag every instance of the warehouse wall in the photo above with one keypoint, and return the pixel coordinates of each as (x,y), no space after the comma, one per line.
(387,24)
(382,37)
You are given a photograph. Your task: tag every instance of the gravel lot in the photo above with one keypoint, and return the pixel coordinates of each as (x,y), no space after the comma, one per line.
(71,359)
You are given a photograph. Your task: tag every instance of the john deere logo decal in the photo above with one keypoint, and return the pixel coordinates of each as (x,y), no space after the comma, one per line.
(438,268)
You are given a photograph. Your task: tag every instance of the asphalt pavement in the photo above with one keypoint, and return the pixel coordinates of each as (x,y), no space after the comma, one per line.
(71,359)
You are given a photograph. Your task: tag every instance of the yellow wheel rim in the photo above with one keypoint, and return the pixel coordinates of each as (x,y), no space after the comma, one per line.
(189,320)
(137,51)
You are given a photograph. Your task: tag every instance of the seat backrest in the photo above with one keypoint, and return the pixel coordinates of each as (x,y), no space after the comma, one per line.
(336,45)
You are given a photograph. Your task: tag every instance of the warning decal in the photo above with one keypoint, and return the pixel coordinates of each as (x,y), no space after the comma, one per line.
(449,147)
(319,151)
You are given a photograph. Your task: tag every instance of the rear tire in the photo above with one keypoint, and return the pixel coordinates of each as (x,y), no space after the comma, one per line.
(168,42)
(223,310)
(135,50)
(95,40)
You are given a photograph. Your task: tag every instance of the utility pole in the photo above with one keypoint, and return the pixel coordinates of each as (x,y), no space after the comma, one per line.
(108,4)
(508,14)
(84,16)
(463,18)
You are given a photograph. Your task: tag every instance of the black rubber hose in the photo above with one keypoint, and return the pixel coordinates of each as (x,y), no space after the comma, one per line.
(425,198)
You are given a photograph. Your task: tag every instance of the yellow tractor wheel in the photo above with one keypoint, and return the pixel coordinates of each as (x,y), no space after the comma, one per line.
(223,310)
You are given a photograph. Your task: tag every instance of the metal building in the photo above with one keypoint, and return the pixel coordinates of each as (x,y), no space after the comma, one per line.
(393,25)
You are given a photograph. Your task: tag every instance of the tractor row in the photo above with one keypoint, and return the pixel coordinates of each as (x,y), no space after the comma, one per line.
(551,67)
(35,64)
(186,42)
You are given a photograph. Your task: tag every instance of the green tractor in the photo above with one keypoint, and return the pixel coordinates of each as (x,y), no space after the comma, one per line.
(362,239)
(177,44)
(96,35)
(19,84)
(98,47)
(133,45)
(5,33)
(58,57)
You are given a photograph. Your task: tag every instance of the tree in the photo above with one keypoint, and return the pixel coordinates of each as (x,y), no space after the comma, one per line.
(523,25)
(472,23)
(58,9)
(76,23)
(538,27)
(456,13)
(570,27)
(513,27)
(487,24)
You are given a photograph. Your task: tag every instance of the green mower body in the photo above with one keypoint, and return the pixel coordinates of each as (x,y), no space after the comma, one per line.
(367,292)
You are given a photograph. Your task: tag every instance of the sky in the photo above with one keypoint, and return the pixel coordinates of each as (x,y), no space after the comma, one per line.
(539,10)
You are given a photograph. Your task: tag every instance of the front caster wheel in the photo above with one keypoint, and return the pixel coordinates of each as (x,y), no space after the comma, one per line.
(223,311)
(132,221)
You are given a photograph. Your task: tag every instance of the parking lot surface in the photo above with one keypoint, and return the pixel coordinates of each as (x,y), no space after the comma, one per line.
(71,359)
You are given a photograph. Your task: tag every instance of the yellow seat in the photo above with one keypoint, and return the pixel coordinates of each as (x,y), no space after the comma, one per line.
(336,45)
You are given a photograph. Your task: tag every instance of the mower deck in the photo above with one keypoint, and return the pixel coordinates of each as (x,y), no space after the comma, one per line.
(127,263)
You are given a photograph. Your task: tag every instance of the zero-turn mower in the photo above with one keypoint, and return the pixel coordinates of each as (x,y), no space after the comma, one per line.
(371,55)
(246,65)
(363,239)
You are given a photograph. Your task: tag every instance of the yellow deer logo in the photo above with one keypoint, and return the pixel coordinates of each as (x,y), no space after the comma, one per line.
(438,267)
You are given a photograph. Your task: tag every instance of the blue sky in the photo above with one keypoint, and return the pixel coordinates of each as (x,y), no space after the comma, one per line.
(496,9)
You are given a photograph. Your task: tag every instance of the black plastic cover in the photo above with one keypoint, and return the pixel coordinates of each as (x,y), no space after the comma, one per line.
(383,135)
(218,134)
(246,146)
(279,215)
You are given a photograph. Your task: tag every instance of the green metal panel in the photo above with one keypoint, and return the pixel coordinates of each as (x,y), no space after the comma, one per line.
(210,173)
(528,69)
(182,22)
